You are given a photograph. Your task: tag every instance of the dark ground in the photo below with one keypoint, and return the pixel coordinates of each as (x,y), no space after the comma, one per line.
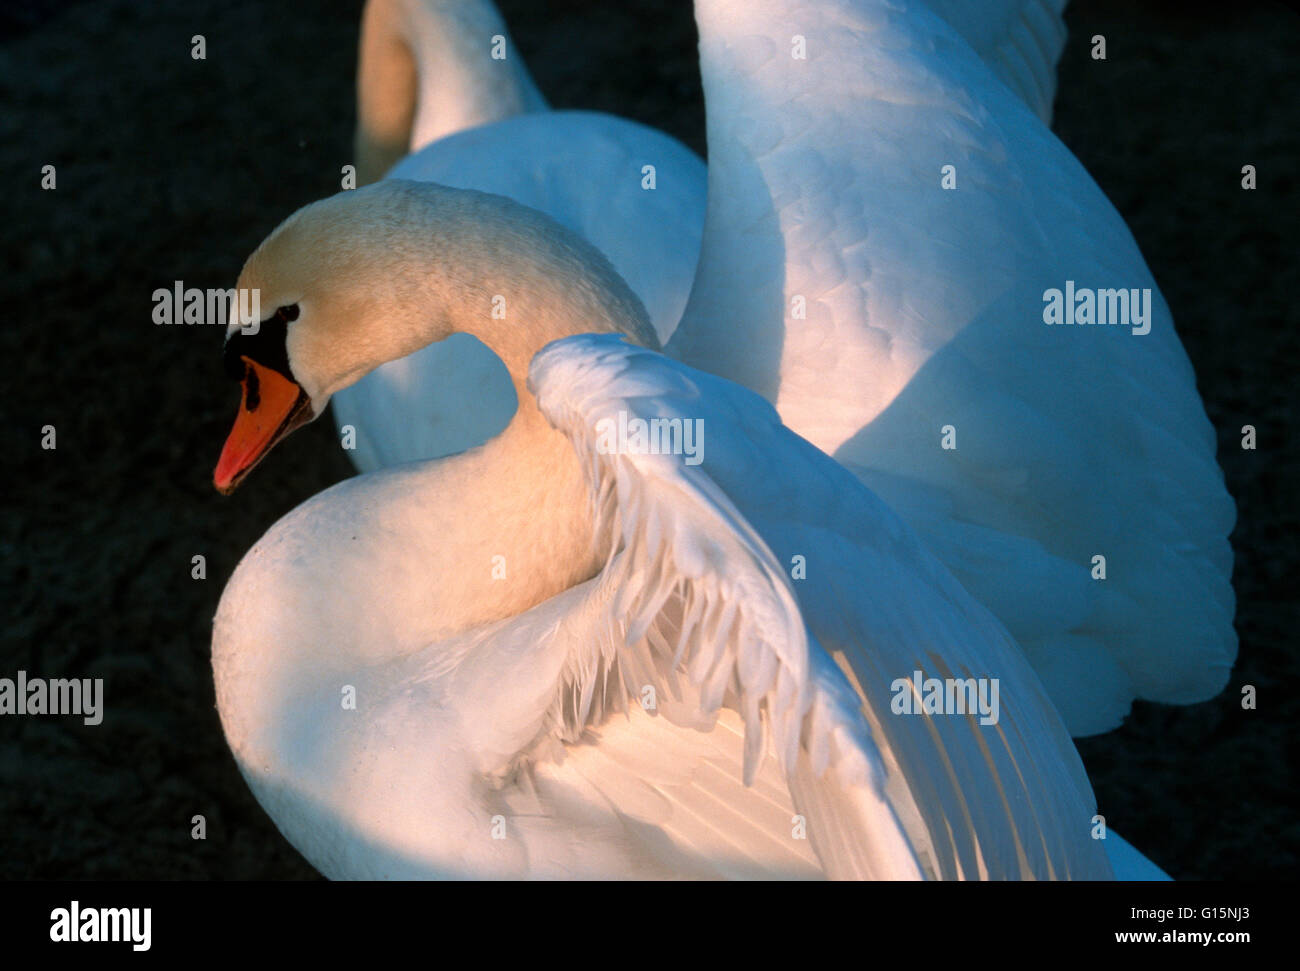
(172,169)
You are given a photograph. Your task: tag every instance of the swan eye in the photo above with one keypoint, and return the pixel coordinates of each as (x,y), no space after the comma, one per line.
(267,345)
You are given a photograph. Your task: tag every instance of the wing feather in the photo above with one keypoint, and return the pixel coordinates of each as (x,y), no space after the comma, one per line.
(1020,40)
(815,662)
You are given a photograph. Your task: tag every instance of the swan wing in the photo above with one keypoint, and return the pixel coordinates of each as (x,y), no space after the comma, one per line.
(703,608)
(637,194)
(899,326)
(507,750)
(1020,40)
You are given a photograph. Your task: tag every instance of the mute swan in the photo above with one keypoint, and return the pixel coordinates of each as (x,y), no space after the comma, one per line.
(452,668)
(428,83)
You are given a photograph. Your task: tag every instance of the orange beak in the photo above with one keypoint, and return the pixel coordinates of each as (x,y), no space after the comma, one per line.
(271,407)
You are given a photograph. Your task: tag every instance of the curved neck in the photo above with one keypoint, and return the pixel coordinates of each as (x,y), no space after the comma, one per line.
(429,68)
(424,262)
(401,264)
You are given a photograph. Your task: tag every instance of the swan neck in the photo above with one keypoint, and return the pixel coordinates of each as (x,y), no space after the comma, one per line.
(429,68)
(483,265)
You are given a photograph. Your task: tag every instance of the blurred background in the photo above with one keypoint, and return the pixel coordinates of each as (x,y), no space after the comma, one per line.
(174,169)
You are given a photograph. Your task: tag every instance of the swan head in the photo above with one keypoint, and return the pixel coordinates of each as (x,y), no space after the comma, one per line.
(370,275)
(317,272)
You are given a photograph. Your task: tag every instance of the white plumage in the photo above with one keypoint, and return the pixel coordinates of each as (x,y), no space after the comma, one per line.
(923,310)
(501,726)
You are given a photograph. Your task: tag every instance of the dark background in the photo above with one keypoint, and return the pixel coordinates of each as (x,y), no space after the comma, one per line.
(170,168)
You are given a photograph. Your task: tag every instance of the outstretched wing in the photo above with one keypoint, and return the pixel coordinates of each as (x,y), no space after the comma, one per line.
(703,607)
(888,220)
